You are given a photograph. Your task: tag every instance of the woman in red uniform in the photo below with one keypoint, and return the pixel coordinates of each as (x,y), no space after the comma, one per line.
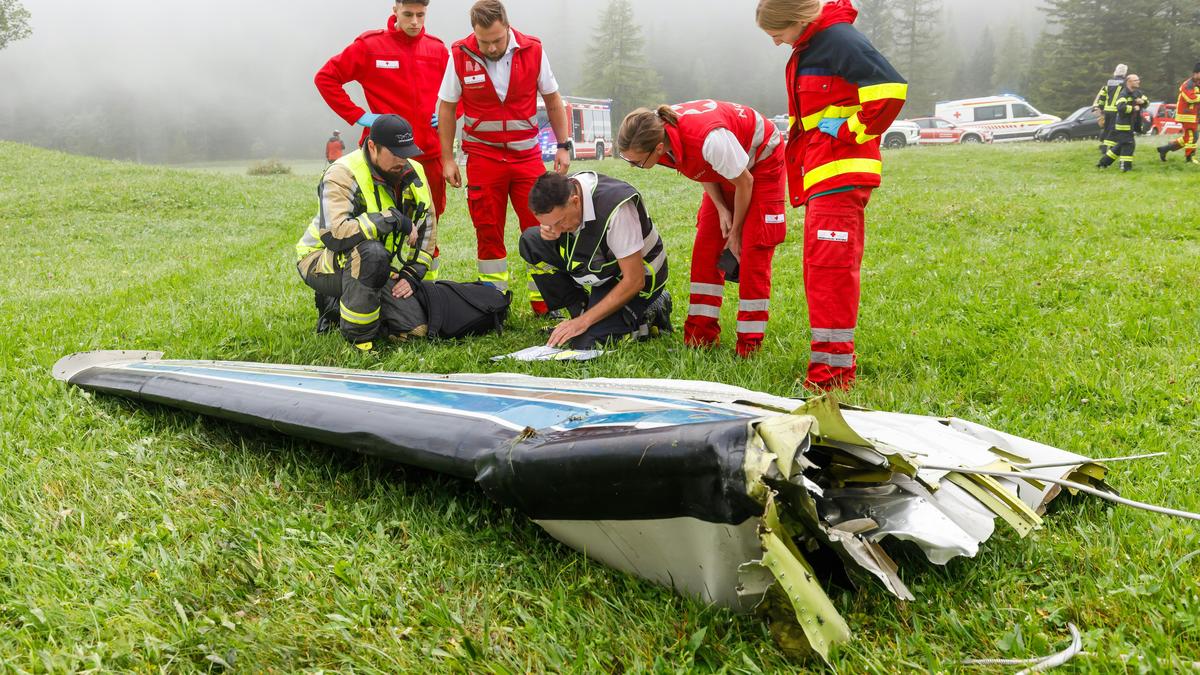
(842,94)
(736,153)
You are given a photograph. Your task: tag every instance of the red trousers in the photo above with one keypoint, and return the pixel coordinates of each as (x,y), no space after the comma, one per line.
(437,186)
(491,185)
(833,251)
(764,229)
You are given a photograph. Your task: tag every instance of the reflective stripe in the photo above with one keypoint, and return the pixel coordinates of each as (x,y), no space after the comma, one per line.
(515,145)
(834,360)
(470,121)
(839,167)
(708,289)
(776,139)
(651,241)
(1185,119)
(520,125)
(754,305)
(878,92)
(1124,127)
(814,119)
(427,260)
(492,266)
(488,126)
(531,285)
(752,327)
(368,228)
(1110,153)
(360,319)
(658,261)
(833,335)
(856,127)
(704,310)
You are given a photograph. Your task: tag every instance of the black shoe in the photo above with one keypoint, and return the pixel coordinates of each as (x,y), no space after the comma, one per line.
(328,313)
(1162,152)
(658,314)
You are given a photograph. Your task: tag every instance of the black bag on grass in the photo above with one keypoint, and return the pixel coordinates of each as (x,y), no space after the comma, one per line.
(458,310)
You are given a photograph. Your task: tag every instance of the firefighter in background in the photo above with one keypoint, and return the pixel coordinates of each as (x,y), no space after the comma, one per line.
(597,255)
(496,74)
(1104,105)
(375,221)
(399,68)
(1187,110)
(334,148)
(736,154)
(1129,105)
(842,94)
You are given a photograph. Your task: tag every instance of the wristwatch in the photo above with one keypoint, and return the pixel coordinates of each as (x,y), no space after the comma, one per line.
(566,146)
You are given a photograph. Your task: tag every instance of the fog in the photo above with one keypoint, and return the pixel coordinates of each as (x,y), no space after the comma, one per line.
(129,70)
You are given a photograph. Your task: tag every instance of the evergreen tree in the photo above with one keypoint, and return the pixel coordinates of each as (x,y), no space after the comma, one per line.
(14,22)
(917,39)
(877,21)
(617,66)
(981,68)
(1012,63)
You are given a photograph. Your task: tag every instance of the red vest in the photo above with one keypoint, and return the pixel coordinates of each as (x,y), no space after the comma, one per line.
(506,130)
(697,119)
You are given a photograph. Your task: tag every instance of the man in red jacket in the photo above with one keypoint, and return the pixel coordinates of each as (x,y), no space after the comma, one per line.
(496,74)
(842,95)
(399,69)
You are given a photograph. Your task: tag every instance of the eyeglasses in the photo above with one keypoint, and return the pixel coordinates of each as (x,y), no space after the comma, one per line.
(638,165)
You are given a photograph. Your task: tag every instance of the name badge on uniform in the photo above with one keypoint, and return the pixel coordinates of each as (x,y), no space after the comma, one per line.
(776,218)
(391,65)
(474,79)
(832,235)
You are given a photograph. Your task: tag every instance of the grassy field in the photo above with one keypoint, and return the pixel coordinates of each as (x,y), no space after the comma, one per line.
(1015,286)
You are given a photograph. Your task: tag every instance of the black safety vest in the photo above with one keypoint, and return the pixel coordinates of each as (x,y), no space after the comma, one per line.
(590,260)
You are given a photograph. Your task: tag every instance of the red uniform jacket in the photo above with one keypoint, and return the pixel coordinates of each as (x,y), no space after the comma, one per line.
(399,75)
(697,119)
(507,130)
(835,72)
(1188,106)
(334,149)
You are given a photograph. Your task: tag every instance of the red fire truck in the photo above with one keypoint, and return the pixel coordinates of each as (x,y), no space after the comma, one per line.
(591,128)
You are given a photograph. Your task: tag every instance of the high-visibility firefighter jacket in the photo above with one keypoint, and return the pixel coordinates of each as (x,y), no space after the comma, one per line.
(350,189)
(1107,98)
(507,130)
(1128,120)
(586,250)
(835,72)
(1188,107)
(697,119)
(400,75)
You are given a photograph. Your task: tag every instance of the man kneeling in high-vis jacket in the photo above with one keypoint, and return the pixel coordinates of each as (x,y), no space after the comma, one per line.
(375,229)
(598,255)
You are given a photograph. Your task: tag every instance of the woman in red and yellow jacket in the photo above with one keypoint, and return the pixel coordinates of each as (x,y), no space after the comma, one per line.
(842,95)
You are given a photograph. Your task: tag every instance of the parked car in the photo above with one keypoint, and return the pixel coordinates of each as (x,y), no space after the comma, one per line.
(1009,118)
(1083,123)
(901,134)
(1162,119)
(935,131)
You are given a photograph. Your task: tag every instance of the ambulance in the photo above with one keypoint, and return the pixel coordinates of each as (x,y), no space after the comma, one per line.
(589,122)
(1008,117)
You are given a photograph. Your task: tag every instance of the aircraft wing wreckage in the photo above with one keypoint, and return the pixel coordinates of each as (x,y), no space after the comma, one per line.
(733,496)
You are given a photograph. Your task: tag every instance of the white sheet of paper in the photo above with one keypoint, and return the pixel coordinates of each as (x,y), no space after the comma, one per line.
(544,353)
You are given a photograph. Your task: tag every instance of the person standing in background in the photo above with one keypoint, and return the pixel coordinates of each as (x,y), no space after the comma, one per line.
(334,148)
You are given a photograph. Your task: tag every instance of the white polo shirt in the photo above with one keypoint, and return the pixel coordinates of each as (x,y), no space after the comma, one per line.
(500,73)
(726,155)
(625,231)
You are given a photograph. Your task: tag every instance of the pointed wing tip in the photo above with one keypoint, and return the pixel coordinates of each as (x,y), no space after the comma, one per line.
(69,366)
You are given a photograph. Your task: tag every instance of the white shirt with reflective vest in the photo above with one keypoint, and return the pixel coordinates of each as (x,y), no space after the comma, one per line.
(499,72)
(624,236)
(725,153)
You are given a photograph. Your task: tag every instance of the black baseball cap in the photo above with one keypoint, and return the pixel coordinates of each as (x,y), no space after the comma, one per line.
(396,134)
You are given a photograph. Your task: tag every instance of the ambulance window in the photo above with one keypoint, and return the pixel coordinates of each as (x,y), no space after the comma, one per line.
(1021,110)
(943,124)
(989,113)
(1168,112)
(577,122)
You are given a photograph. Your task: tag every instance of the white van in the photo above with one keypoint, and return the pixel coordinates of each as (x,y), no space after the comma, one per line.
(1009,118)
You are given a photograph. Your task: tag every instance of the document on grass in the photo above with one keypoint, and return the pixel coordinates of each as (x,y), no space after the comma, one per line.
(544,353)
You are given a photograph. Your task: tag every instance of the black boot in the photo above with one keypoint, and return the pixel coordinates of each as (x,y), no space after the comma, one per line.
(1126,167)
(1163,150)
(327,312)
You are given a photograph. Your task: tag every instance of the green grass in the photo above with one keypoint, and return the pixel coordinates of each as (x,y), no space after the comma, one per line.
(1012,285)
